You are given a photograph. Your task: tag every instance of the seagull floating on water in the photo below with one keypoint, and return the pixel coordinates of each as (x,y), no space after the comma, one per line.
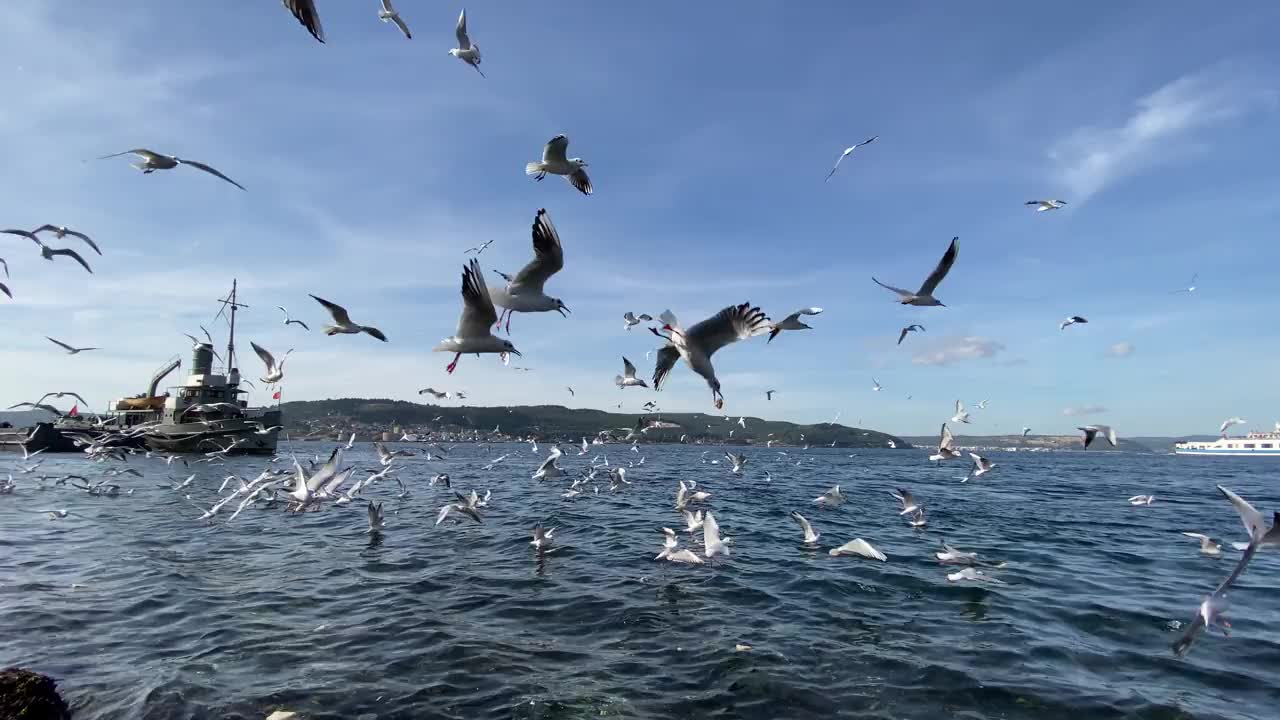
(792,322)
(524,293)
(861,548)
(152,161)
(972,575)
(555,162)
(1137,500)
(466,51)
(474,333)
(697,344)
(924,296)
(1208,545)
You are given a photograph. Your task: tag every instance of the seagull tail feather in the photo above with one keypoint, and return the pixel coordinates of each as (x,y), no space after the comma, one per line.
(533,168)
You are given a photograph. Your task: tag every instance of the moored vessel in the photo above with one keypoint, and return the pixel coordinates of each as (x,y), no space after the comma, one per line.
(1253,444)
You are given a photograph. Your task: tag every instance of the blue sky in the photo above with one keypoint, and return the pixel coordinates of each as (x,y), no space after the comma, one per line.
(373,161)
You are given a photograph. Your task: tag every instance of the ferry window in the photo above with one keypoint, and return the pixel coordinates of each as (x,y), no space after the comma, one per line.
(1266,445)
(1249,445)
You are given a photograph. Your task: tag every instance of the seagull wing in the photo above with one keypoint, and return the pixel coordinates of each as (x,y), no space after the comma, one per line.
(1252,519)
(548,257)
(837,165)
(73,255)
(947,439)
(734,323)
(902,335)
(5,289)
(23,233)
(59,343)
(628,370)
(900,291)
(478,313)
(944,266)
(267,360)
(305,11)
(72,233)
(580,181)
(211,171)
(667,358)
(464,42)
(803,522)
(403,27)
(554,151)
(338,312)
(140,152)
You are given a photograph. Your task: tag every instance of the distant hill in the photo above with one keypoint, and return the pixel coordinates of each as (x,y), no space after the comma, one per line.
(1166,443)
(1048,442)
(359,414)
(23,418)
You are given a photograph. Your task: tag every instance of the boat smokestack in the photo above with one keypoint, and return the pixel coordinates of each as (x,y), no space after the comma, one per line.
(202,359)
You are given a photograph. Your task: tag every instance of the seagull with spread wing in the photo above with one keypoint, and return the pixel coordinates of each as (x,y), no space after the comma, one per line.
(628,377)
(697,344)
(792,322)
(342,322)
(847,152)
(275,370)
(525,291)
(290,321)
(466,51)
(389,14)
(305,12)
(474,333)
(47,252)
(924,296)
(61,231)
(554,161)
(152,161)
(70,350)
(909,329)
(1043,205)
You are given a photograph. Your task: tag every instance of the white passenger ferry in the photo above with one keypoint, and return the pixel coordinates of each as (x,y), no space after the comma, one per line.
(1253,444)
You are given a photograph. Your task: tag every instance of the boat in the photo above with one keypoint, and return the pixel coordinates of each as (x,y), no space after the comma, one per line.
(1252,444)
(205,413)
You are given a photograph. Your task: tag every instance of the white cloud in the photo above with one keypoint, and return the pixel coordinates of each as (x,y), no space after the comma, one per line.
(953,349)
(1120,349)
(1084,410)
(1091,158)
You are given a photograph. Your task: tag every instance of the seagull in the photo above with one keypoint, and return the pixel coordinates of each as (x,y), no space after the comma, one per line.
(810,535)
(152,161)
(343,324)
(1229,422)
(738,460)
(60,232)
(389,14)
(1137,500)
(466,51)
(961,415)
(697,344)
(376,523)
(541,539)
(1191,287)
(1071,321)
(275,370)
(47,252)
(951,556)
(693,521)
(524,292)
(6,268)
(465,506)
(982,404)
(5,289)
(1208,545)
(70,350)
(924,296)
(669,543)
(628,377)
(1259,535)
(630,319)
(1209,614)
(768,394)
(946,449)
(742,422)
(386,457)
(290,321)
(860,547)
(847,152)
(876,386)
(972,575)
(555,162)
(1026,431)
(476,322)
(909,329)
(830,498)
(1092,431)
(981,466)
(437,394)
(909,504)
(549,468)
(712,543)
(1042,205)
(305,12)
(792,322)
(53,514)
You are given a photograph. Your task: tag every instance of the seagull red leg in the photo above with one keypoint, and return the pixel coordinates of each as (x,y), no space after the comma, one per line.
(453,365)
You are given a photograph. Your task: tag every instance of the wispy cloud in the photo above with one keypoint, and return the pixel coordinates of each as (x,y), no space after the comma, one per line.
(1084,410)
(954,349)
(1121,349)
(1091,158)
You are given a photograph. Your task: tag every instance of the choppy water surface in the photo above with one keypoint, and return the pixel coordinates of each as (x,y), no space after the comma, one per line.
(142,611)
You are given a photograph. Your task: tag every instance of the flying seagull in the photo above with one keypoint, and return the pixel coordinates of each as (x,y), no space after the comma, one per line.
(479,249)
(1190,288)
(981,466)
(697,344)
(962,415)
(1071,321)
(466,51)
(847,152)
(1208,615)
(1042,205)
(810,535)
(555,162)
(876,386)
(1092,431)
(476,322)
(792,322)
(1229,422)
(924,296)
(152,161)
(305,12)
(909,329)
(389,14)
(47,252)
(630,319)
(628,377)
(290,321)
(1208,545)
(768,394)
(70,350)
(6,267)
(376,522)
(525,291)
(946,446)
(60,232)
(275,370)
(342,322)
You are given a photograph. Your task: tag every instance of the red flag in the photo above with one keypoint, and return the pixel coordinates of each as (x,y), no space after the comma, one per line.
(276,396)
(75,411)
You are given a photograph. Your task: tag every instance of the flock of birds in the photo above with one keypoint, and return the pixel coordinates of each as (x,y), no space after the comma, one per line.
(320,484)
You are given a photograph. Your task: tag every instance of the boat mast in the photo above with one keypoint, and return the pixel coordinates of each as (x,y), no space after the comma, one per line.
(231,337)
